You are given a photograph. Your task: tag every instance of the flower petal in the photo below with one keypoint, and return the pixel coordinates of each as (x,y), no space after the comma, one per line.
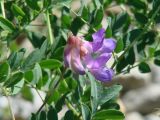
(98,62)
(103,74)
(88,46)
(76,64)
(108,46)
(98,39)
(67,56)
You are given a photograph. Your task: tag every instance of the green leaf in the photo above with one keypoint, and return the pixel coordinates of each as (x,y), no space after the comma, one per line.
(4,71)
(52,114)
(86,96)
(27,94)
(72,84)
(120,21)
(98,16)
(112,104)
(97,3)
(121,64)
(59,104)
(14,79)
(131,36)
(43,48)
(37,74)
(151,52)
(156,4)
(108,33)
(144,67)
(119,46)
(33,4)
(85,13)
(109,93)
(139,4)
(15,59)
(46,3)
(34,117)
(28,75)
(50,64)
(66,19)
(69,115)
(61,2)
(58,54)
(157,62)
(130,56)
(34,57)
(86,113)
(141,18)
(17,87)
(7,25)
(36,38)
(76,24)
(157,54)
(54,97)
(43,115)
(63,87)
(109,115)
(17,11)
(94,93)
(100,95)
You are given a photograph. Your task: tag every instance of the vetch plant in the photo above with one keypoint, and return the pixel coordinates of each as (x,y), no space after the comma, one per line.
(71,69)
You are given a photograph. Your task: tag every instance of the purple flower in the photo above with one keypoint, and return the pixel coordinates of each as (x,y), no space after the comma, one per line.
(81,55)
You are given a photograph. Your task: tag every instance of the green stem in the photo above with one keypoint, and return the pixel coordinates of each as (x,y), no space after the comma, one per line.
(10,108)
(39,95)
(51,91)
(138,37)
(9,103)
(71,107)
(35,90)
(124,71)
(49,27)
(2,8)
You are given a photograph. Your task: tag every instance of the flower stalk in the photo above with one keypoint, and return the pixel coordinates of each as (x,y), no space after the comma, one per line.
(2,8)
(50,32)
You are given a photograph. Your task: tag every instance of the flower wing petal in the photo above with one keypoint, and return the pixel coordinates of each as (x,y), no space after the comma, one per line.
(98,62)
(108,46)
(103,74)
(98,39)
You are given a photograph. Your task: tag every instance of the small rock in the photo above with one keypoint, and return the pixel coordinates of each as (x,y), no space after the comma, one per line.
(134,116)
(144,100)
(152,117)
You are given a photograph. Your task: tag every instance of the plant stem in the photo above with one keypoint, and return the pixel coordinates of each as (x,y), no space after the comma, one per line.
(2,8)
(49,27)
(10,108)
(71,107)
(9,103)
(49,92)
(35,90)
(39,95)
(124,71)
